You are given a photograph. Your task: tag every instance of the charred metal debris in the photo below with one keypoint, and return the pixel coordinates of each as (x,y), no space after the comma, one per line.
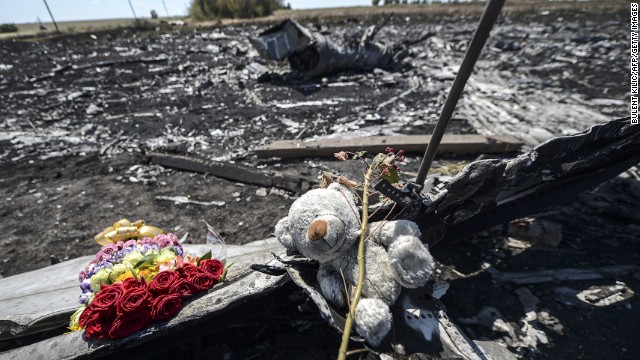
(315,54)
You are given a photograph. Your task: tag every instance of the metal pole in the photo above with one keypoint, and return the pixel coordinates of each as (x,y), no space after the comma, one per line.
(489,16)
(165,8)
(133,11)
(51,14)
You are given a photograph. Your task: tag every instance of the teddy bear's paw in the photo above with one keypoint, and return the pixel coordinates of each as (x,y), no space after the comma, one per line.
(373,320)
(411,261)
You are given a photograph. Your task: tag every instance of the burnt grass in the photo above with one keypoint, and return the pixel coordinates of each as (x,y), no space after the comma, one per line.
(81,112)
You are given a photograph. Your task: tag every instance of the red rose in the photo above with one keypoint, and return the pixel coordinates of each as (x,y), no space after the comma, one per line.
(129,323)
(98,325)
(107,298)
(189,269)
(134,300)
(163,282)
(181,287)
(86,315)
(213,266)
(165,306)
(133,283)
(201,282)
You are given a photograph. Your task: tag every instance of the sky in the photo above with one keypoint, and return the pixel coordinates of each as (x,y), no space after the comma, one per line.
(24,11)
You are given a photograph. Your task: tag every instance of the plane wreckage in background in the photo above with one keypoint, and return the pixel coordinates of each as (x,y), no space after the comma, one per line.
(313,54)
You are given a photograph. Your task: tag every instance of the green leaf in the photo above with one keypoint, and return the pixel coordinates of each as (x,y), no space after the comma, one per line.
(393,176)
(359,154)
(135,273)
(388,159)
(145,260)
(378,159)
(206,256)
(224,272)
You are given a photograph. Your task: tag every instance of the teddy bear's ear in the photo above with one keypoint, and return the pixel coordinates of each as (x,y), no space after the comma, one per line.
(284,235)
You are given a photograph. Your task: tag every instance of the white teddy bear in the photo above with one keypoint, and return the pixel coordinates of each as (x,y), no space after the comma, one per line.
(324,225)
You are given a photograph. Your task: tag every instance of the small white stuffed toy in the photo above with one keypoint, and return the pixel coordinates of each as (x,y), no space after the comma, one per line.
(324,225)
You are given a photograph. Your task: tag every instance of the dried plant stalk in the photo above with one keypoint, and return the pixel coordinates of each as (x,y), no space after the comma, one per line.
(342,354)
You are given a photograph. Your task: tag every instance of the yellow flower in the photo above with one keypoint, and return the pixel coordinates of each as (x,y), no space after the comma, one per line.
(132,258)
(165,256)
(124,276)
(148,273)
(116,271)
(75,318)
(101,277)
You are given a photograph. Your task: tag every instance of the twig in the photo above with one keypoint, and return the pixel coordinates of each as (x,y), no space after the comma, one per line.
(346,289)
(389,213)
(342,354)
(356,351)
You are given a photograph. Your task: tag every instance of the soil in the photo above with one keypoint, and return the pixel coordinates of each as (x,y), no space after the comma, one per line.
(80,112)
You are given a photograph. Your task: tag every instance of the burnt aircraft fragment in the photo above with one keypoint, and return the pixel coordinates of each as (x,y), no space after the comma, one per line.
(491,192)
(314,54)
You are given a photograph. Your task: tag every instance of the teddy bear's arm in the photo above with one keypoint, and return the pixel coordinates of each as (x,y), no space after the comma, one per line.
(411,261)
(386,232)
(331,285)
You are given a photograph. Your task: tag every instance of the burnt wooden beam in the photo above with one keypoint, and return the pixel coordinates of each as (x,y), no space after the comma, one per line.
(234,172)
(453,143)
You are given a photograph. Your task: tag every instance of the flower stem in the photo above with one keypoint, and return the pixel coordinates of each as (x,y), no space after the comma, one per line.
(342,354)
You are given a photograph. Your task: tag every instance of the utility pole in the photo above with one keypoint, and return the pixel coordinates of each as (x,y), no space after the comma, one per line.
(50,14)
(489,16)
(165,8)
(133,11)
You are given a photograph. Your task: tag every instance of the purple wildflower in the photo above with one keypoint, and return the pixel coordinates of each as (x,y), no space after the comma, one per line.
(84,298)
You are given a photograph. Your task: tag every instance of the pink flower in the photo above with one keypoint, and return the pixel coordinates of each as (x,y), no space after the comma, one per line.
(164,240)
(105,253)
(166,266)
(130,243)
(147,241)
(342,155)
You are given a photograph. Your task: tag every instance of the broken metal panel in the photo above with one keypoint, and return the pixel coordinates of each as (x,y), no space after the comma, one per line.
(282,40)
(314,54)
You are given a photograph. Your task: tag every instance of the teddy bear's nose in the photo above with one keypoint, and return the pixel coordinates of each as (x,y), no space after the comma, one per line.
(317,230)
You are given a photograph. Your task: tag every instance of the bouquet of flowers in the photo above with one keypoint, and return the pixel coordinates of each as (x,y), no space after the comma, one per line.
(140,275)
